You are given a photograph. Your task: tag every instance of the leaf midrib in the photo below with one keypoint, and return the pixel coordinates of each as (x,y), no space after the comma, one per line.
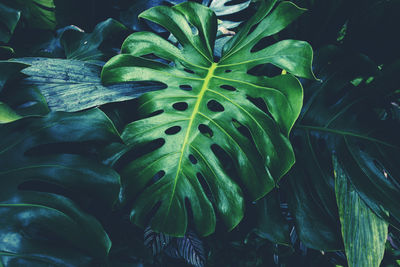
(203,89)
(344,133)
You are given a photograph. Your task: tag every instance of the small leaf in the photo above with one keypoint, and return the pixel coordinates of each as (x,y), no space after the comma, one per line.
(157,242)
(191,249)
(364,233)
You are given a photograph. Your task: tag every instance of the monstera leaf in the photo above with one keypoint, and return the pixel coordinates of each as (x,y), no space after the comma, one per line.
(47,184)
(341,116)
(211,113)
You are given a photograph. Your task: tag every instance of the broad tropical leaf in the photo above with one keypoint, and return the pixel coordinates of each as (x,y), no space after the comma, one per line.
(340,116)
(73,85)
(41,172)
(9,18)
(364,233)
(207,115)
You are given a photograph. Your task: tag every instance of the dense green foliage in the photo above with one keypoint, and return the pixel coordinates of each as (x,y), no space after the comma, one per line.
(195,133)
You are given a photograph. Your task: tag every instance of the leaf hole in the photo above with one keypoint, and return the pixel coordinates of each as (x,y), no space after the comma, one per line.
(269,70)
(188,71)
(205,130)
(263,43)
(157,176)
(155,113)
(150,215)
(228,87)
(227,71)
(138,151)
(192,159)
(181,106)
(215,106)
(226,161)
(252,29)
(242,129)
(173,130)
(205,186)
(260,103)
(186,87)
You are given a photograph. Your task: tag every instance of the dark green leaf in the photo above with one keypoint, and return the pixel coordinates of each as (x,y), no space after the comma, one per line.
(38,13)
(40,172)
(90,47)
(271,224)
(364,233)
(9,70)
(9,18)
(206,116)
(341,117)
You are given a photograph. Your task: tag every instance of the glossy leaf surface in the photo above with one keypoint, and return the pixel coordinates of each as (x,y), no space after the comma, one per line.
(207,114)
(364,233)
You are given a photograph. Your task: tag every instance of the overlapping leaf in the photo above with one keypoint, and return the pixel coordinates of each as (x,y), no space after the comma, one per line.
(17,102)
(9,18)
(364,233)
(41,172)
(73,85)
(340,116)
(206,115)
(38,13)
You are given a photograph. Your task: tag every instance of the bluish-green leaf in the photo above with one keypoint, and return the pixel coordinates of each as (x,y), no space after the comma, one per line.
(73,85)
(49,179)
(9,18)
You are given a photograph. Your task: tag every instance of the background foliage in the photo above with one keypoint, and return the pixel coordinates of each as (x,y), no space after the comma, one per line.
(60,130)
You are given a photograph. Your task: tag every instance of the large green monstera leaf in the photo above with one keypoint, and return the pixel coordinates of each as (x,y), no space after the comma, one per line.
(211,115)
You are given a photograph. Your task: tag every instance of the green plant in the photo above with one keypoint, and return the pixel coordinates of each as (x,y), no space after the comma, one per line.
(72,182)
(208,109)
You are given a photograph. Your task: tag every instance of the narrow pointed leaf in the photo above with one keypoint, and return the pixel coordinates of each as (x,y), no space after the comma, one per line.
(364,233)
